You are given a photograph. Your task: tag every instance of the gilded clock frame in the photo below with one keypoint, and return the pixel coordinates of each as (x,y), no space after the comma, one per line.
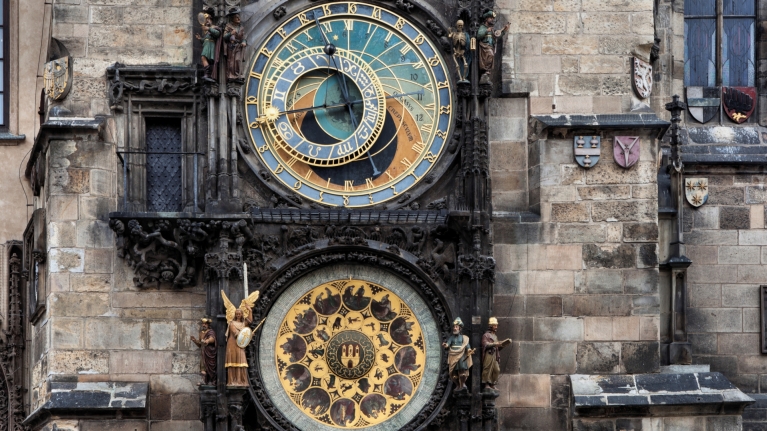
(433,161)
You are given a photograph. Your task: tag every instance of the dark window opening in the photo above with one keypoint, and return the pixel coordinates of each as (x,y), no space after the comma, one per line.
(163,165)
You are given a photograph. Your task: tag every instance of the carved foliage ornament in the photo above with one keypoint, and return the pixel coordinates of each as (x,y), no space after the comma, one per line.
(642,79)
(57,77)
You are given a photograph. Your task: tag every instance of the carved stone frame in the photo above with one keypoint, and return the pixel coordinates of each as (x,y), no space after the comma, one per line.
(404,267)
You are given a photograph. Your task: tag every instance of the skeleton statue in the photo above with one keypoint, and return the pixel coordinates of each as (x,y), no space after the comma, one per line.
(462,58)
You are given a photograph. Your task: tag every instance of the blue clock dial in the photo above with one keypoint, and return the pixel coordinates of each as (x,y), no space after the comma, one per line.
(349,104)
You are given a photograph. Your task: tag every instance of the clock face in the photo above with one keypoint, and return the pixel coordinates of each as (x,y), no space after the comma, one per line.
(355,128)
(349,347)
(351,354)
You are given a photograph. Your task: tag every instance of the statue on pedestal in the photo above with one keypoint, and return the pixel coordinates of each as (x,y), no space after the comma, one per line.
(459,355)
(208,347)
(461,41)
(238,335)
(491,355)
(487,37)
(211,49)
(234,46)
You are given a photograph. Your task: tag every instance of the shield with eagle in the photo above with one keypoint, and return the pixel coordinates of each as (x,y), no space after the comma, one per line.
(739,102)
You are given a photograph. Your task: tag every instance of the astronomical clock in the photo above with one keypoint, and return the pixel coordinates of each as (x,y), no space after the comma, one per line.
(349,105)
(346,180)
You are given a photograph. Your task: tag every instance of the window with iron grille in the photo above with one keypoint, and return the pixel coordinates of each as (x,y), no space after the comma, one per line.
(163,165)
(719,43)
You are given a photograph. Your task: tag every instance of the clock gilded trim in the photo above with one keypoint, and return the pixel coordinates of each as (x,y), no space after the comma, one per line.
(356,128)
(327,366)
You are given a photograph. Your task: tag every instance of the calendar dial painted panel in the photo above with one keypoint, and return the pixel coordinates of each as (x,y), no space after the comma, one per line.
(356,128)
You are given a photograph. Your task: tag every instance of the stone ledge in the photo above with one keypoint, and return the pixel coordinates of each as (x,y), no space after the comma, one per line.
(77,399)
(604,121)
(8,139)
(656,394)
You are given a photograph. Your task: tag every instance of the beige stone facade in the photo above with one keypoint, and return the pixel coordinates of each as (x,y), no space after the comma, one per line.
(583,284)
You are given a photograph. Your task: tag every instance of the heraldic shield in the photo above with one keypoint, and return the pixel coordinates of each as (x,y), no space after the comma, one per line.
(57,77)
(587,150)
(703,103)
(642,78)
(696,191)
(739,102)
(626,150)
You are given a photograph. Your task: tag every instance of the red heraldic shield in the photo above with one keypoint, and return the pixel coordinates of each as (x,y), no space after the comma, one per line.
(739,102)
(626,150)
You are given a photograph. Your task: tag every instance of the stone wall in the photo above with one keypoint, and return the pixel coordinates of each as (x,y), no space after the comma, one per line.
(99,33)
(98,327)
(575,53)
(577,284)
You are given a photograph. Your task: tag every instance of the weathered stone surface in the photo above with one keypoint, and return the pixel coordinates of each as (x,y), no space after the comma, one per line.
(622,256)
(610,192)
(67,333)
(740,255)
(113,333)
(640,232)
(140,362)
(172,384)
(714,319)
(558,329)
(66,260)
(530,390)
(713,274)
(624,211)
(90,282)
(61,234)
(705,217)
(603,282)
(598,358)
(79,304)
(547,358)
(626,328)
(78,362)
(647,256)
(185,363)
(598,328)
(735,217)
(162,335)
(549,282)
(641,357)
(726,196)
(720,237)
(752,237)
(739,344)
(561,212)
(185,407)
(540,306)
(157,299)
(641,281)
(123,425)
(76,181)
(159,407)
(597,305)
(574,233)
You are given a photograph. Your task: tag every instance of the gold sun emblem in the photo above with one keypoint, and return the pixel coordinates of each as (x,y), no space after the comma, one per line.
(702,186)
(690,186)
(271,114)
(697,200)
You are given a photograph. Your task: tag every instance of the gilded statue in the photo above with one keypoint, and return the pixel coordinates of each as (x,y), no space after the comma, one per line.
(491,355)
(208,348)
(238,335)
(458,355)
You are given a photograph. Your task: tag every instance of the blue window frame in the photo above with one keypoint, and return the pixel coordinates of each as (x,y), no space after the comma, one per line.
(729,24)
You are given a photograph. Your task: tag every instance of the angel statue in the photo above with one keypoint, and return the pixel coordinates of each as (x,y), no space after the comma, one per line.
(238,335)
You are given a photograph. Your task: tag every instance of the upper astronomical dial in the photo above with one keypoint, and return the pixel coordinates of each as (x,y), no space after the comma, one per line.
(360,126)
